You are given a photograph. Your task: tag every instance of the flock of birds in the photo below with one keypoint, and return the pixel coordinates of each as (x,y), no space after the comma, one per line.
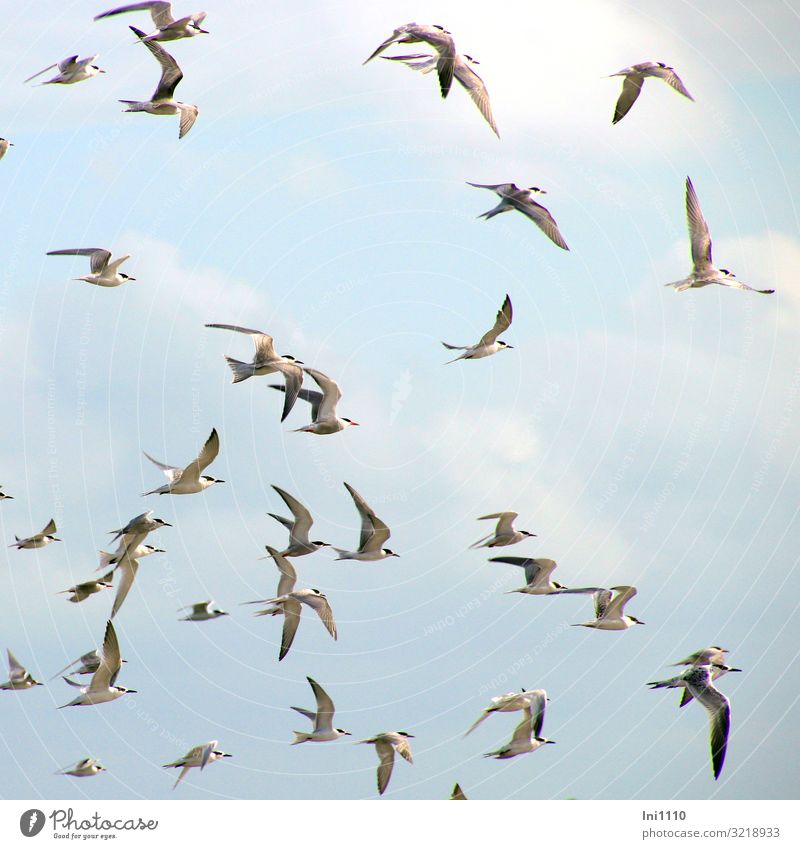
(703,668)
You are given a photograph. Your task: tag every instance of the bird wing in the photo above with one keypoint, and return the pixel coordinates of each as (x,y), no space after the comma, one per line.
(129,569)
(331,394)
(293,375)
(99,257)
(171,74)
(541,217)
(49,529)
(602,598)
(501,323)
(538,703)
(16,671)
(672,79)
(206,752)
(39,73)
(311,395)
(161,12)
(719,711)
(263,342)
(385,752)
(288,576)
(302,517)
(631,89)
(188,112)
(110,662)
(698,228)
(505,521)
(308,714)
(180,777)
(374,532)
(476,89)
(502,189)
(321,606)
(325,707)
(397,35)
(477,722)
(458,794)
(205,458)
(522,733)
(291,620)
(172,473)
(617,604)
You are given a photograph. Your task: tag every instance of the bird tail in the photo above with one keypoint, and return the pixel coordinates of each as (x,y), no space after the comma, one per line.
(300,737)
(133,106)
(340,552)
(106,559)
(679,285)
(241,371)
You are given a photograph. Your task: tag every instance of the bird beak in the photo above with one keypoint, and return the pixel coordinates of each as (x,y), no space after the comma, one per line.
(167,525)
(101,71)
(355,424)
(510,346)
(204,31)
(131,278)
(395,555)
(132,691)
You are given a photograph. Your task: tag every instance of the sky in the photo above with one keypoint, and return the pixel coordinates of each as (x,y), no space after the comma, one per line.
(647,437)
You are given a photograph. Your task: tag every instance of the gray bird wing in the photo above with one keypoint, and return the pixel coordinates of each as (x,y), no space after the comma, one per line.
(97,263)
(476,89)
(501,324)
(171,74)
(541,217)
(291,620)
(321,606)
(385,752)
(302,517)
(631,89)
(110,661)
(325,707)
(160,11)
(374,532)
(128,568)
(698,229)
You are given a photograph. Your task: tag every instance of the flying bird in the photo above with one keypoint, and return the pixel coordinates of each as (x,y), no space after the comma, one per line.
(298,526)
(70,70)
(322,719)
(139,526)
(374,533)
(704,272)
(292,605)
(189,480)
(462,71)
(634,80)
(167,27)
(537,576)
(527,735)
(18,676)
(87,664)
(504,532)
(286,582)
(40,540)
(199,756)
(507,703)
(437,37)
(266,361)
(102,687)
(713,656)
(386,744)
(102,272)
(113,558)
(202,612)
(323,405)
(163,100)
(698,680)
(512,197)
(83,769)
(80,592)
(609,610)
(489,343)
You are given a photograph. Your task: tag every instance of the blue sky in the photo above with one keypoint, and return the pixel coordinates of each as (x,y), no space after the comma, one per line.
(646,437)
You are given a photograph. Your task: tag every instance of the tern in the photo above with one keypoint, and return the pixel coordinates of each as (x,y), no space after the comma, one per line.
(18,676)
(199,756)
(458,794)
(322,719)
(102,687)
(374,533)
(167,28)
(386,744)
(286,582)
(163,101)
(713,656)
(292,605)
(537,576)
(3,496)
(489,343)
(609,614)
(527,735)
(298,526)
(128,565)
(704,272)
(189,480)
(634,80)
(266,361)
(112,558)
(507,703)
(201,612)
(698,680)
(138,526)
(437,37)
(462,71)
(70,70)
(83,769)
(80,592)
(40,540)
(5,144)
(512,197)
(87,664)
(323,405)
(102,271)
(504,532)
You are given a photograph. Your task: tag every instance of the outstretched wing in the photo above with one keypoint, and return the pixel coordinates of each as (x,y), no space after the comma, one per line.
(171,74)
(501,324)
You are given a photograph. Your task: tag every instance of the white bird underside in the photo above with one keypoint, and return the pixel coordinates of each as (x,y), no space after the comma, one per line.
(190,479)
